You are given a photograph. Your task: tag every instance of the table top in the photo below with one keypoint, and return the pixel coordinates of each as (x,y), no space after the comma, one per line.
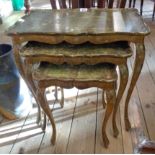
(81,22)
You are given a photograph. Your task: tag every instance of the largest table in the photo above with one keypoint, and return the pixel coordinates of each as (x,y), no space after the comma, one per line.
(77,26)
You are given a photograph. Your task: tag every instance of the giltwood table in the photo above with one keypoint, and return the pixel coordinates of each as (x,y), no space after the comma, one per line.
(77,26)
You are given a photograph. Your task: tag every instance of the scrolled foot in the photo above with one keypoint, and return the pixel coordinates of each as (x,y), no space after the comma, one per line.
(53,139)
(105,140)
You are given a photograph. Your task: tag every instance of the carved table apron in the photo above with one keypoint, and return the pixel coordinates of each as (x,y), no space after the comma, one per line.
(77,26)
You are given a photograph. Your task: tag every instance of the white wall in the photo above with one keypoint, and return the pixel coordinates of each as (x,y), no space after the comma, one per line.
(5,8)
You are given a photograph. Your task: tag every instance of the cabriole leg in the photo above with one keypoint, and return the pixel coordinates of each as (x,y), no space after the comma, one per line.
(110,98)
(103,99)
(138,64)
(44,105)
(123,72)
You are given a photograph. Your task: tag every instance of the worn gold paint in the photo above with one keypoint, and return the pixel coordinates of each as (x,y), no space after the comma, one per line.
(81,22)
(77,26)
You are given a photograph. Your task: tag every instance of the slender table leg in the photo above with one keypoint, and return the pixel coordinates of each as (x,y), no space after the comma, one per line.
(130,2)
(62,98)
(44,105)
(101,3)
(122,3)
(44,123)
(138,63)
(28,76)
(141,7)
(16,48)
(123,71)
(134,3)
(110,98)
(56,93)
(103,99)
(153,11)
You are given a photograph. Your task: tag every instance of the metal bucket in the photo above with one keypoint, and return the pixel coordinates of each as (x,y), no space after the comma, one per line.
(11,98)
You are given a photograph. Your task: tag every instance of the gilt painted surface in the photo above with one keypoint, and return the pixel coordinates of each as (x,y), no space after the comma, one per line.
(103,72)
(118,49)
(81,22)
